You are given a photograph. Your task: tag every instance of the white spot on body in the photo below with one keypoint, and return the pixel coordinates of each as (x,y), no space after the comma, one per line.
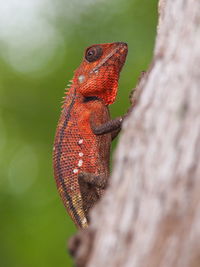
(75,170)
(80,163)
(80,141)
(80,154)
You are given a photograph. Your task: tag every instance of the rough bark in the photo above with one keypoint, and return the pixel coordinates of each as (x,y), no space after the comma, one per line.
(150,214)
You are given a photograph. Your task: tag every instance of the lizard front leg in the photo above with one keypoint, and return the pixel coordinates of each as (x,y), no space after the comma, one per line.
(113,126)
(107,127)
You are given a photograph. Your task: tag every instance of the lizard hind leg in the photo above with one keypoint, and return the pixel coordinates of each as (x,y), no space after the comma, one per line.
(91,188)
(92,180)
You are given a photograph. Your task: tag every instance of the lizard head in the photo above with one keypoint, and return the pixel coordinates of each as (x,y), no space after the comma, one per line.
(99,71)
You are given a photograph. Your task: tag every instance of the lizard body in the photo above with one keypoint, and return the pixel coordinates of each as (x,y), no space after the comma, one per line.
(85,131)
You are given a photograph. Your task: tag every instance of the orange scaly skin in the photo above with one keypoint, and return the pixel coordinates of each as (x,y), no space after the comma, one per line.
(81,147)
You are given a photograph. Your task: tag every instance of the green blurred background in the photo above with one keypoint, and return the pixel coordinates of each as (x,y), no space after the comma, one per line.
(41,43)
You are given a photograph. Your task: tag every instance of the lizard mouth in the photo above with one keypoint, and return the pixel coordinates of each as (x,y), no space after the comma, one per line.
(121,50)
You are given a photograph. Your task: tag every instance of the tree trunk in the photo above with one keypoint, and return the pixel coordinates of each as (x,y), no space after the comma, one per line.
(150,214)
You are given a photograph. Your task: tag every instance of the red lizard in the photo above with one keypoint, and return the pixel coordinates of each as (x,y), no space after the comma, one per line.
(84,133)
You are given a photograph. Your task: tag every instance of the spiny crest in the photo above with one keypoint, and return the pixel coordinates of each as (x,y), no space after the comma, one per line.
(64,98)
(68,87)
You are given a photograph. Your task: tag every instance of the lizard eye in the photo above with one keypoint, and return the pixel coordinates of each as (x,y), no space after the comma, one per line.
(93,53)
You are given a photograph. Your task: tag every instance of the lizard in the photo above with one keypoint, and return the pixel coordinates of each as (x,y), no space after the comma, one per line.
(85,130)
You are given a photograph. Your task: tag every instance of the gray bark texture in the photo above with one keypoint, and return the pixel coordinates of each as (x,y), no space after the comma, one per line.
(150,213)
